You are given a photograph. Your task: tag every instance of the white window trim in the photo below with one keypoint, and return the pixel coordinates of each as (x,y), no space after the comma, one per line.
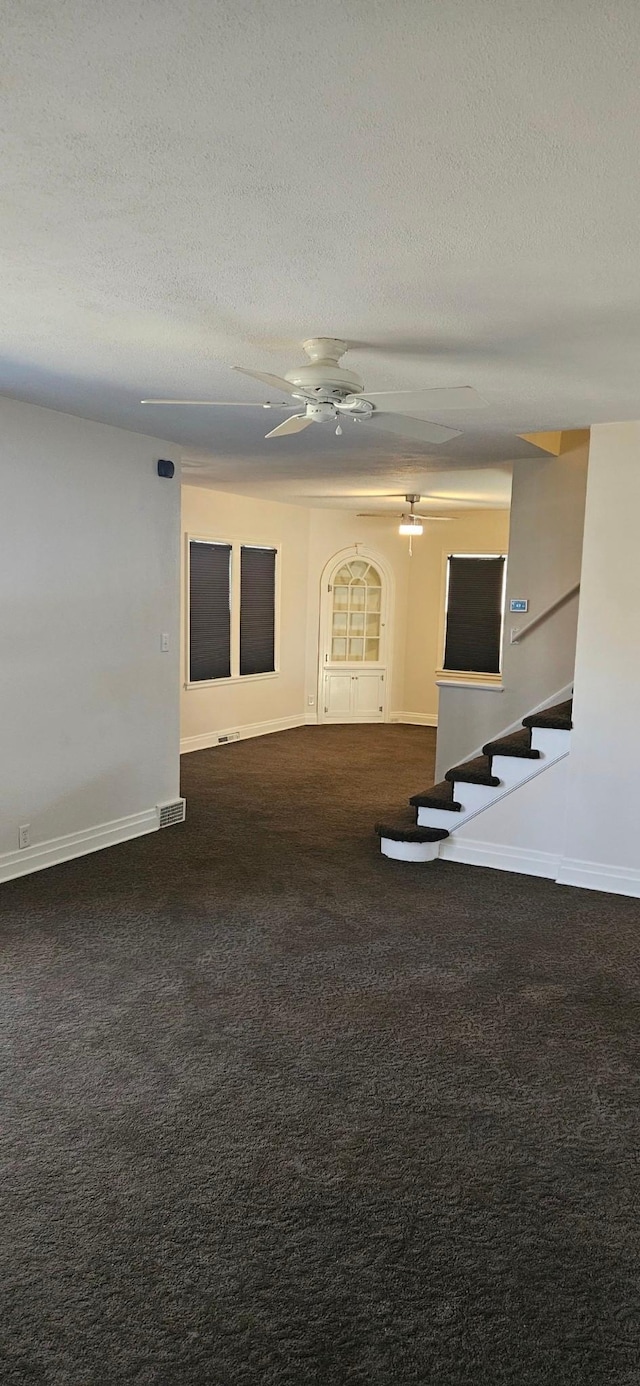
(468,675)
(236,544)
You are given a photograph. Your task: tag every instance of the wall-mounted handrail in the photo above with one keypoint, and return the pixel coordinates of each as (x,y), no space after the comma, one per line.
(518,634)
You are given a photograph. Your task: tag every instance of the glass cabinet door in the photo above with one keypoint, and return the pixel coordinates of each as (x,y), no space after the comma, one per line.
(356,613)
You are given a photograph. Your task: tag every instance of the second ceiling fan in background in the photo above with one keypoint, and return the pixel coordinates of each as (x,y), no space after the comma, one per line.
(410,522)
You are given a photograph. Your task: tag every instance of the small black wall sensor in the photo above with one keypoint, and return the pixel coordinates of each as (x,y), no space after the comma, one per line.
(165,468)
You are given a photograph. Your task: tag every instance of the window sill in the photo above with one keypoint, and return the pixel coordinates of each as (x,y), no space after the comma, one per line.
(236,678)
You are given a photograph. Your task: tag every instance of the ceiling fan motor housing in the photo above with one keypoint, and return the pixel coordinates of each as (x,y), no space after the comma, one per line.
(324,376)
(320,411)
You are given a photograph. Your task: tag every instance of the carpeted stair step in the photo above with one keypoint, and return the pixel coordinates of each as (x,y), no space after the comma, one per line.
(440,796)
(516,744)
(477,771)
(396,829)
(556,718)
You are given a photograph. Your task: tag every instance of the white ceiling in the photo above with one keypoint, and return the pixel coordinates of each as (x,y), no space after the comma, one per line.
(453,182)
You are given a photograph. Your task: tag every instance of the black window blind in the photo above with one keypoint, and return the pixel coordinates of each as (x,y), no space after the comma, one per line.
(257,610)
(209,611)
(474,614)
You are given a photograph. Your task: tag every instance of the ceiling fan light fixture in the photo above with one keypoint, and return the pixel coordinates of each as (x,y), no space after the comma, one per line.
(410,524)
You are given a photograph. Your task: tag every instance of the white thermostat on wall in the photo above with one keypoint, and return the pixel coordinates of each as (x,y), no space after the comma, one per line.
(519,604)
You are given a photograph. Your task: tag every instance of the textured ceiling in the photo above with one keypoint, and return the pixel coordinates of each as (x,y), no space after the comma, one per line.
(451,181)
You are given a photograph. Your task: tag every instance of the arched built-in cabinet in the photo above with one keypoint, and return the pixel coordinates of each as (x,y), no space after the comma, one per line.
(354,638)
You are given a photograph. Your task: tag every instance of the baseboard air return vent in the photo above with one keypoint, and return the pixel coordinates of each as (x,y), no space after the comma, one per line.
(228,736)
(172,812)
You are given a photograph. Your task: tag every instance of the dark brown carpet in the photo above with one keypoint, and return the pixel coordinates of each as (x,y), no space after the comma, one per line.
(278,1110)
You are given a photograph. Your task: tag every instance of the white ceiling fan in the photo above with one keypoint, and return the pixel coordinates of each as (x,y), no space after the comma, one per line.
(330,393)
(410,522)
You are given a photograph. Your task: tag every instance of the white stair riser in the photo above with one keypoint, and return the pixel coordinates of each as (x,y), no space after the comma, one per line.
(513,770)
(474,796)
(510,770)
(437,818)
(551,744)
(409,851)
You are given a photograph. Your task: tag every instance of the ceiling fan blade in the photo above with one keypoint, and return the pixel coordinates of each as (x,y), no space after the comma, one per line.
(435,519)
(397,515)
(276,381)
(454,397)
(408,427)
(293,425)
(222,403)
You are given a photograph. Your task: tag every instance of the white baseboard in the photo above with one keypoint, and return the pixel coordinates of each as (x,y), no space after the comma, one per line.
(500,858)
(415,719)
(58,849)
(590,875)
(595,875)
(207,739)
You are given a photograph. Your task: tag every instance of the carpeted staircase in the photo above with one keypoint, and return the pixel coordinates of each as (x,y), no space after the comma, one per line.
(467,789)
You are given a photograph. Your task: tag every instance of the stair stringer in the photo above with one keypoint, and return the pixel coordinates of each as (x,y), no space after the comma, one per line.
(522,831)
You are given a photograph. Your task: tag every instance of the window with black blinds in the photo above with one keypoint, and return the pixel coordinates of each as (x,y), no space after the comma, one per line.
(474,613)
(209,611)
(257,610)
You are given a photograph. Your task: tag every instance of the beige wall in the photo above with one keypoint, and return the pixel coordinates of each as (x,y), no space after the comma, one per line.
(310,539)
(473,531)
(207,711)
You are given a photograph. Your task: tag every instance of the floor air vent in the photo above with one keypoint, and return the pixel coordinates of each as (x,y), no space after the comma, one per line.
(173,812)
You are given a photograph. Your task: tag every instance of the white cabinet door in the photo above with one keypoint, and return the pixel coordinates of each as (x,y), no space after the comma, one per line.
(353,697)
(367,697)
(337,696)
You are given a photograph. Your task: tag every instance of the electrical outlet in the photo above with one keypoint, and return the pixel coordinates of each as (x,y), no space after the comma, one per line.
(164,642)
(24,835)
(311,700)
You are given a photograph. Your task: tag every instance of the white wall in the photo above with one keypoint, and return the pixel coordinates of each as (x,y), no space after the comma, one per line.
(580,821)
(270,701)
(89,575)
(523,832)
(602,841)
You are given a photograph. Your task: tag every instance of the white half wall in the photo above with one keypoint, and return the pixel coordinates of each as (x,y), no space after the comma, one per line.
(602,843)
(90,579)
